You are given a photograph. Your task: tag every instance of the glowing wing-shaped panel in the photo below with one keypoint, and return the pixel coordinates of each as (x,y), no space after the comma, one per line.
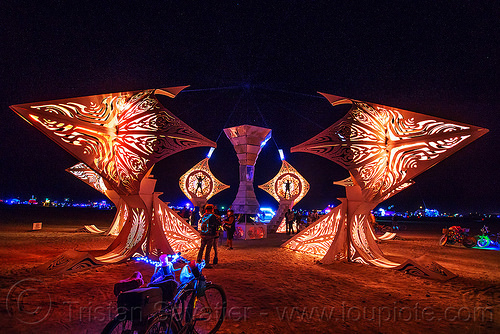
(385,147)
(87,175)
(119,135)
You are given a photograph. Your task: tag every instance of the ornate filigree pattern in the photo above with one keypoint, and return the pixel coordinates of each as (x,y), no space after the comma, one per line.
(288,184)
(126,244)
(180,235)
(120,136)
(199,182)
(120,217)
(385,147)
(317,238)
(282,226)
(87,175)
(138,228)
(359,239)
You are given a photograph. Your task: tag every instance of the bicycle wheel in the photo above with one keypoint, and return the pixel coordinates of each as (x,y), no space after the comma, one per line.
(483,242)
(210,310)
(162,323)
(469,242)
(118,326)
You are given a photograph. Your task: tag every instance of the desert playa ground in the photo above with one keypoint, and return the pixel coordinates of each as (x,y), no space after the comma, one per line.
(269,289)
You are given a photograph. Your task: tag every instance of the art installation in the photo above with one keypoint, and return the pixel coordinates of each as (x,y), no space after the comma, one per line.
(199,184)
(120,136)
(87,175)
(288,187)
(247,141)
(387,236)
(383,148)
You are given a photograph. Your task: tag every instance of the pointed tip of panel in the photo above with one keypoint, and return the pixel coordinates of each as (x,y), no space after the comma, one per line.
(170,91)
(336,100)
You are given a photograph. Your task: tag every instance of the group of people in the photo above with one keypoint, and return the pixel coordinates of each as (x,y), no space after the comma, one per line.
(210,226)
(296,218)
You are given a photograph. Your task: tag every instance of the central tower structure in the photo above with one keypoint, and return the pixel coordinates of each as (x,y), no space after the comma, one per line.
(247,140)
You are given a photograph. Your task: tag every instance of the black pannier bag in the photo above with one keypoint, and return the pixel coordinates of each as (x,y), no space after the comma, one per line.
(137,304)
(168,286)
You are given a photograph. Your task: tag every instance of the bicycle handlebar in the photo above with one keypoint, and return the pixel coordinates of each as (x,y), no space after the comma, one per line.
(172,258)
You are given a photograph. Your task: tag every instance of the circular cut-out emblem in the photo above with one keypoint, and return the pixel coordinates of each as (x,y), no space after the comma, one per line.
(288,186)
(199,184)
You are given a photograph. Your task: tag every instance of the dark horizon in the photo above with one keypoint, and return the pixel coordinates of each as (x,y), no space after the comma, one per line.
(259,64)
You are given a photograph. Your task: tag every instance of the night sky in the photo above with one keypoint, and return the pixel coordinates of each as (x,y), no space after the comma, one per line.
(250,63)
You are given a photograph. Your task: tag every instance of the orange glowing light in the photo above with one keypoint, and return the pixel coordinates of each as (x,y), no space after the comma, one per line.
(199,184)
(383,148)
(119,137)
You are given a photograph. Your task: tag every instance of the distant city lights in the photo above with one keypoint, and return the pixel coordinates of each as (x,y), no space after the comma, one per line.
(104,205)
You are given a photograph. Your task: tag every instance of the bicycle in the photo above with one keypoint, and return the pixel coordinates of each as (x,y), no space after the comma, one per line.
(485,240)
(199,306)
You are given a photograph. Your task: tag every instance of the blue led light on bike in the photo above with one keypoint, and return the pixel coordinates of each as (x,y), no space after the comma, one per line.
(147,260)
(186,275)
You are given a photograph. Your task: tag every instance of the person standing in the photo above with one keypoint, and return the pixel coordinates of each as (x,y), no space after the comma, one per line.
(215,244)
(230,227)
(208,225)
(289,219)
(298,221)
(195,217)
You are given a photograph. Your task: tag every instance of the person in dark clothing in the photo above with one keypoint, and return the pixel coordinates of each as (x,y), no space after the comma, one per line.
(230,227)
(215,243)
(195,217)
(208,225)
(298,220)
(289,219)
(199,185)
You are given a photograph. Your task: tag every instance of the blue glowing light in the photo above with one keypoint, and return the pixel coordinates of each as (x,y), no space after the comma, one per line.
(212,149)
(268,210)
(147,260)
(282,155)
(170,258)
(265,141)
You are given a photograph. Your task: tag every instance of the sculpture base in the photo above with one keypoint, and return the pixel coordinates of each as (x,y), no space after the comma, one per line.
(424,267)
(69,262)
(250,231)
